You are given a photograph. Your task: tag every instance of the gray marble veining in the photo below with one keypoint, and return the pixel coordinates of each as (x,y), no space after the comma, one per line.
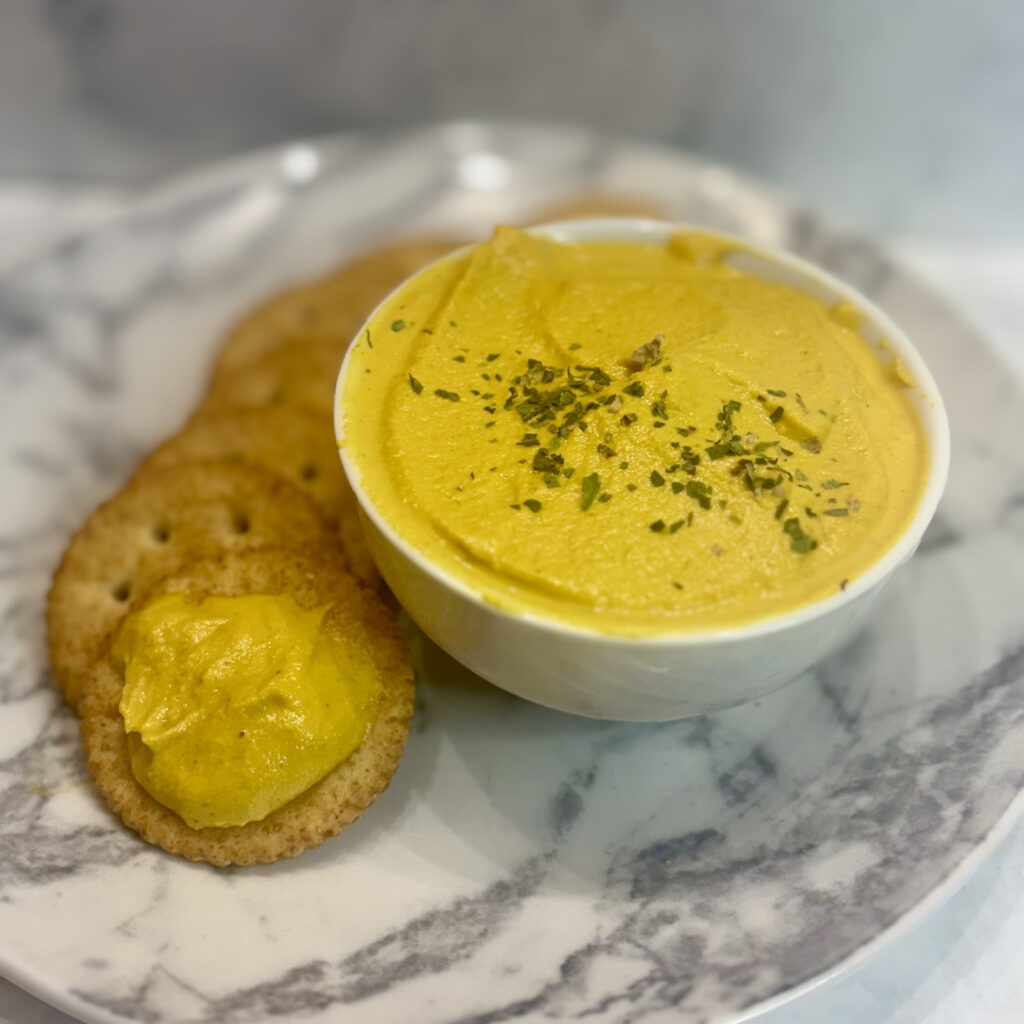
(524,864)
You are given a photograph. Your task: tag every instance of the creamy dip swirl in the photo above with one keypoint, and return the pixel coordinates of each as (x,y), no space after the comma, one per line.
(633,438)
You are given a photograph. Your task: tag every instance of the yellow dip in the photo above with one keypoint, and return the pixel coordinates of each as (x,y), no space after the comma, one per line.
(236,705)
(632,438)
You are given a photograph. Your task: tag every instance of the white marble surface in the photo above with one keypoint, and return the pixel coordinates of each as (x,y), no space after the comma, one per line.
(966,961)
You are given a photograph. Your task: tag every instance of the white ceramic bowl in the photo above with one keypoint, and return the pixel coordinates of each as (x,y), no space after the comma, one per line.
(671,675)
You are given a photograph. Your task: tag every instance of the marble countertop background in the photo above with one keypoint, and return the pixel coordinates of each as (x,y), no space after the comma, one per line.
(963,963)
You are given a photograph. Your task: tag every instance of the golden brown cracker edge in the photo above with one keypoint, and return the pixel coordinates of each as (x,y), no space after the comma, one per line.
(327,807)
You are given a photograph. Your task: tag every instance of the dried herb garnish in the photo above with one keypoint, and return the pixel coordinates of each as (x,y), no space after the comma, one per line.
(528,441)
(415,384)
(724,419)
(636,389)
(368,341)
(777,394)
(532,504)
(799,541)
(777,414)
(591,485)
(493,356)
(677,525)
(645,354)
(700,492)
(398,325)
(657,526)
(657,479)
(836,512)
(448,396)
(547,462)
(831,485)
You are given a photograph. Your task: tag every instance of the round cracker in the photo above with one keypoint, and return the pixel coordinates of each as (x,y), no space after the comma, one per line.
(356,616)
(149,530)
(296,443)
(304,375)
(327,311)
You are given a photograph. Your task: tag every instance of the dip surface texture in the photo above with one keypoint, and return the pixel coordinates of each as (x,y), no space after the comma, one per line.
(236,705)
(636,439)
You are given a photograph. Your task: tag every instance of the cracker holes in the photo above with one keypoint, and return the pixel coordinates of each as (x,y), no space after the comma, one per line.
(309,472)
(121,591)
(240,523)
(161,533)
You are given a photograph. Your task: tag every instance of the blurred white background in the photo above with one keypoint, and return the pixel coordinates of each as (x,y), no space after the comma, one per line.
(903,117)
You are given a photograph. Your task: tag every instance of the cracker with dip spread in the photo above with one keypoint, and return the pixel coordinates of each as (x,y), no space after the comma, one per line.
(159,523)
(208,614)
(250,708)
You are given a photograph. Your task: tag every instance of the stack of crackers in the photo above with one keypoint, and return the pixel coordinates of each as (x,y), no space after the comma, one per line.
(250,497)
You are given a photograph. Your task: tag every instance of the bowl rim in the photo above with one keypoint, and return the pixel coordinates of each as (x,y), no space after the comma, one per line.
(927,401)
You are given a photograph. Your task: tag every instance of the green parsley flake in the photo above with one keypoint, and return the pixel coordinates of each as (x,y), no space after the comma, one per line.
(591,485)
(415,384)
(700,492)
(799,541)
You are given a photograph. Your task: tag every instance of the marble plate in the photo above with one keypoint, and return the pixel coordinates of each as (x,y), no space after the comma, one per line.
(524,864)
